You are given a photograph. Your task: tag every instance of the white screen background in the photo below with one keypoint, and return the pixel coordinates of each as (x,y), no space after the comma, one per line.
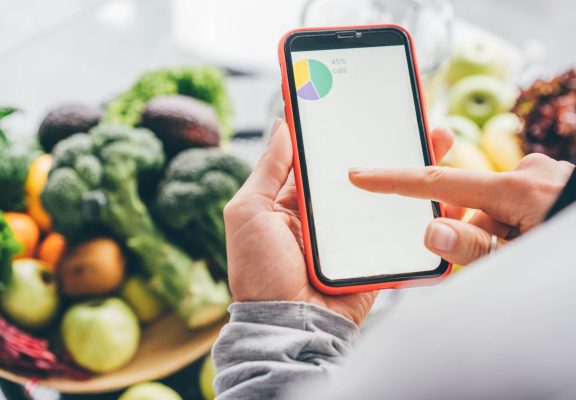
(367,120)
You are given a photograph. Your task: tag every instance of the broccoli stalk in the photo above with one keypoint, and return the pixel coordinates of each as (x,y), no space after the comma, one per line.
(184,283)
(109,163)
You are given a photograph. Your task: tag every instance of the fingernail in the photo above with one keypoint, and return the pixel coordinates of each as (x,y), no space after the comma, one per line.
(276,125)
(354,171)
(441,237)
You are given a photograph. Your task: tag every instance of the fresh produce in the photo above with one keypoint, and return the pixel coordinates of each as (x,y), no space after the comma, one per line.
(26,231)
(150,391)
(101,335)
(476,56)
(197,185)
(464,128)
(501,143)
(548,112)
(95,180)
(31,298)
(91,268)
(480,97)
(147,305)
(22,352)
(203,83)
(66,120)
(467,155)
(51,250)
(14,163)
(35,181)
(9,247)
(181,122)
(207,376)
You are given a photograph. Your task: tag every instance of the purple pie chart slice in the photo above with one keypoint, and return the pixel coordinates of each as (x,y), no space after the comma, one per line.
(308,92)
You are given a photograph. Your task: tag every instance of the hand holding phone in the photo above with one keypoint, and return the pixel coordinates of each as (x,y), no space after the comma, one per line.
(353,99)
(264,235)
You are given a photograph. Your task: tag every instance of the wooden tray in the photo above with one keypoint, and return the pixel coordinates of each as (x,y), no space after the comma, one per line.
(166,346)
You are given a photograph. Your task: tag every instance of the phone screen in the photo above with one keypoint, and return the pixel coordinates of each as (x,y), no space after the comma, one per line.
(356,108)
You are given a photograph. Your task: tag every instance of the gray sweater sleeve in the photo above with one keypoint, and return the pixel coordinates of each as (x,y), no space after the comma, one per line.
(268,345)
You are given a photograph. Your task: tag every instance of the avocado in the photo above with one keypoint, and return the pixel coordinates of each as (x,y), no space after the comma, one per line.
(66,120)
(181,122)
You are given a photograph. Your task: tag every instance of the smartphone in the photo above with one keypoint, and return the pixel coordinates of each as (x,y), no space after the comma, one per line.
(353,99)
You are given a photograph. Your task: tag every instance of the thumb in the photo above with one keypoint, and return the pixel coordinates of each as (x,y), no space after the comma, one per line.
(458,242)
(272,170)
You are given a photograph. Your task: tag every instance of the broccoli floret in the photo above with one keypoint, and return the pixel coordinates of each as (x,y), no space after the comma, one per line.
(14,164)
(191,198)
(63,198)
(203,83)
(95,180)
(15,161)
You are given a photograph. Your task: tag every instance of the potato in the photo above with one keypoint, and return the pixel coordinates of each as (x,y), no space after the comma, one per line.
(91,268)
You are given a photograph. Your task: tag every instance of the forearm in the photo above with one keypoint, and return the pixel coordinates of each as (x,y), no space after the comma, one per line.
(268,346)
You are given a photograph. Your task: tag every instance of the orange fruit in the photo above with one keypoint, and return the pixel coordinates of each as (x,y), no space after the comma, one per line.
(35,182)
(52,249)
(26,232)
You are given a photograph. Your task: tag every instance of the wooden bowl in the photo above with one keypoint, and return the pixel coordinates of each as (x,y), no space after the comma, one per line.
(167,345)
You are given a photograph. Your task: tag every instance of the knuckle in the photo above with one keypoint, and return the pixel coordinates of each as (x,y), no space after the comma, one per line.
(433,174)
(480,244)
(432,177)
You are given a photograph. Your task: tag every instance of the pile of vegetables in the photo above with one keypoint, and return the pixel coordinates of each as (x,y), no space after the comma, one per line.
(95,180)
(119,222)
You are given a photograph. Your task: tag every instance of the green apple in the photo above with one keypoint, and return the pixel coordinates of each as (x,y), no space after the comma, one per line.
(480,97)
(463,127)
(31,297)
(504,124)
(147,305)
(207,375)
(466,155)
(476,56)
(150,391)
(500,141)
(101,335)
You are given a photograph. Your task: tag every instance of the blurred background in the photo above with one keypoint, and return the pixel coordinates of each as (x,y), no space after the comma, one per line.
(92,52)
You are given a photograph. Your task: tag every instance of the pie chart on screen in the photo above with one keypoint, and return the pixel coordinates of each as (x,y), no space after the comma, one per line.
(313,79)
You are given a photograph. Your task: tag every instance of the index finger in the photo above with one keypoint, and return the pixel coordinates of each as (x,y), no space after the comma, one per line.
(463,188)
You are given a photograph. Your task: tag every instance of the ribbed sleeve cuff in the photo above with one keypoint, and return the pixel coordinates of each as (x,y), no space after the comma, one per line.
(295,315)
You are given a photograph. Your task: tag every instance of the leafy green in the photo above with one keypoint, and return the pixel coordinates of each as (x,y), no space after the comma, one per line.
(9,247)
(4,112)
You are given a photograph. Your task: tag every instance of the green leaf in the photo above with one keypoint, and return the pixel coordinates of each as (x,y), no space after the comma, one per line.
(9,247)
(6,111)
